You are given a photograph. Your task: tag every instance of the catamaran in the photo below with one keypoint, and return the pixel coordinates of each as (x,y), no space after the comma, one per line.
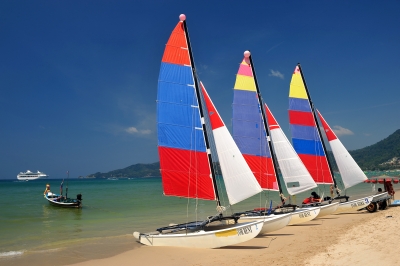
(253,137)
(308,143)
(185,155)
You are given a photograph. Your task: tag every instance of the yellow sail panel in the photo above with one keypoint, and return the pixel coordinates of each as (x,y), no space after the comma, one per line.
(297,88)
(245,83)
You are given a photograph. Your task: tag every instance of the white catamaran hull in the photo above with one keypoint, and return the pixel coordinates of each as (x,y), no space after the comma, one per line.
(235,234)
(328,209)
(304,215)
(354,205)
(381,196)
(271,222)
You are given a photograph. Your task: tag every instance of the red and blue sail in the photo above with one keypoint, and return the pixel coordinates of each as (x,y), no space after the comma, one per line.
(306,139)
(185,168)
(248,128)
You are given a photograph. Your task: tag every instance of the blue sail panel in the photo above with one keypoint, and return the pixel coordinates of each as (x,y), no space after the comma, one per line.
(297,104)
(248,128)
(304,132)
(176,74)
(309,147)
(176,93)
(180,137)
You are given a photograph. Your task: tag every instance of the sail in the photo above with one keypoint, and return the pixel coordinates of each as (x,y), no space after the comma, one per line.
(294,173)
(239,180)
(248,129)
(185,168)
(349,170)
(306,139)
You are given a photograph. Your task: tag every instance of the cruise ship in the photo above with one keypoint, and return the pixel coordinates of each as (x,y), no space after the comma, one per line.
(28,175)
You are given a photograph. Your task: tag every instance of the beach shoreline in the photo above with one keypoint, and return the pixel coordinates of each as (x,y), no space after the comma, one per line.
(329,240)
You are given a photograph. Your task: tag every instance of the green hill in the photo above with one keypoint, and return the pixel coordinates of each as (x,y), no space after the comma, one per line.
(136,170)
(383,155)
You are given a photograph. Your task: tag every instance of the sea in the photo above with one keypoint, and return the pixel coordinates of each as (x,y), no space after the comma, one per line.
(34,232)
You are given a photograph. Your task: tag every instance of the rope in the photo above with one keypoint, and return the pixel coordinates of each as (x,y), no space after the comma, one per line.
(272,239)
(221,209)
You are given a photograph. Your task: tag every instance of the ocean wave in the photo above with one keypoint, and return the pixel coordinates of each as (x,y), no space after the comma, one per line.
(11,254)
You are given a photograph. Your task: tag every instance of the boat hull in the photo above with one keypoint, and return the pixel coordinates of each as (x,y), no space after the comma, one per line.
(354,205)
(271,222)
(234,234)
(381,196)
(328,209)
(74,204)
(303,215)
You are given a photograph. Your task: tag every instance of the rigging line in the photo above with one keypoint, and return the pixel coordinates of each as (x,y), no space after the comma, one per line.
(189,170)
(272,239)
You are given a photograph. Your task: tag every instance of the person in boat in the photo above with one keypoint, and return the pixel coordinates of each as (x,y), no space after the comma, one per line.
(47,190)
(314,198)
(379,191)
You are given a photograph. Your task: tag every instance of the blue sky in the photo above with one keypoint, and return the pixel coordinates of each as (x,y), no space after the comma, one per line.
(78,79)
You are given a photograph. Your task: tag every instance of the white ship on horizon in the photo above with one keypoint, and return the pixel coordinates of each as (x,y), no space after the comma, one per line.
(28,175)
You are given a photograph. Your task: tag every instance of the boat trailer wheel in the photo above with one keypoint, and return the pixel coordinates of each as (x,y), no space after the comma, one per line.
(372,207)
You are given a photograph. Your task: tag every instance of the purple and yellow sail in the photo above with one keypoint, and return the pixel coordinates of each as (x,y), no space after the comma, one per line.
(306,139)
(248,128)
(185,168)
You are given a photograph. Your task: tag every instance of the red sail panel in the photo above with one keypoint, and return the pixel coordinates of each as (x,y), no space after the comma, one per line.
(263,170)
(186,173)
(301,118)
(215,119)
(317,167)
(330,135)
(176,50)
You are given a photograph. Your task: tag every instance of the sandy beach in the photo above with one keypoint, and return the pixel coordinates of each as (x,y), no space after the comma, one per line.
(359,238)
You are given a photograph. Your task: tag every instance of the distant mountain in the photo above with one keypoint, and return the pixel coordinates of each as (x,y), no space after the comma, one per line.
(136,170)
(383,155)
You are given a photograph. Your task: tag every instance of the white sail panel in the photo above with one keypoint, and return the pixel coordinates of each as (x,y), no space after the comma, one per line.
(294,173)
(349,170)
(239,180)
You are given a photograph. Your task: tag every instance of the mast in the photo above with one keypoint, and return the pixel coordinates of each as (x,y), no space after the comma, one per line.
(263,118)
(66,189)
(318,128)
(182,17)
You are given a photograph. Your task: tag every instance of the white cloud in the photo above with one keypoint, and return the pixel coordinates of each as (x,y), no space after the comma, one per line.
(134,130)
(276,74)
(341,131)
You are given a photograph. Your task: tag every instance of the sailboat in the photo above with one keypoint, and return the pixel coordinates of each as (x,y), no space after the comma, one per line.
(308,143)
(291,165)
(349,170)
(185,155)
(252,135)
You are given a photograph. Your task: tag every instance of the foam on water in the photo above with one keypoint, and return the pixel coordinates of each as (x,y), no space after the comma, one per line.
(11,254)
